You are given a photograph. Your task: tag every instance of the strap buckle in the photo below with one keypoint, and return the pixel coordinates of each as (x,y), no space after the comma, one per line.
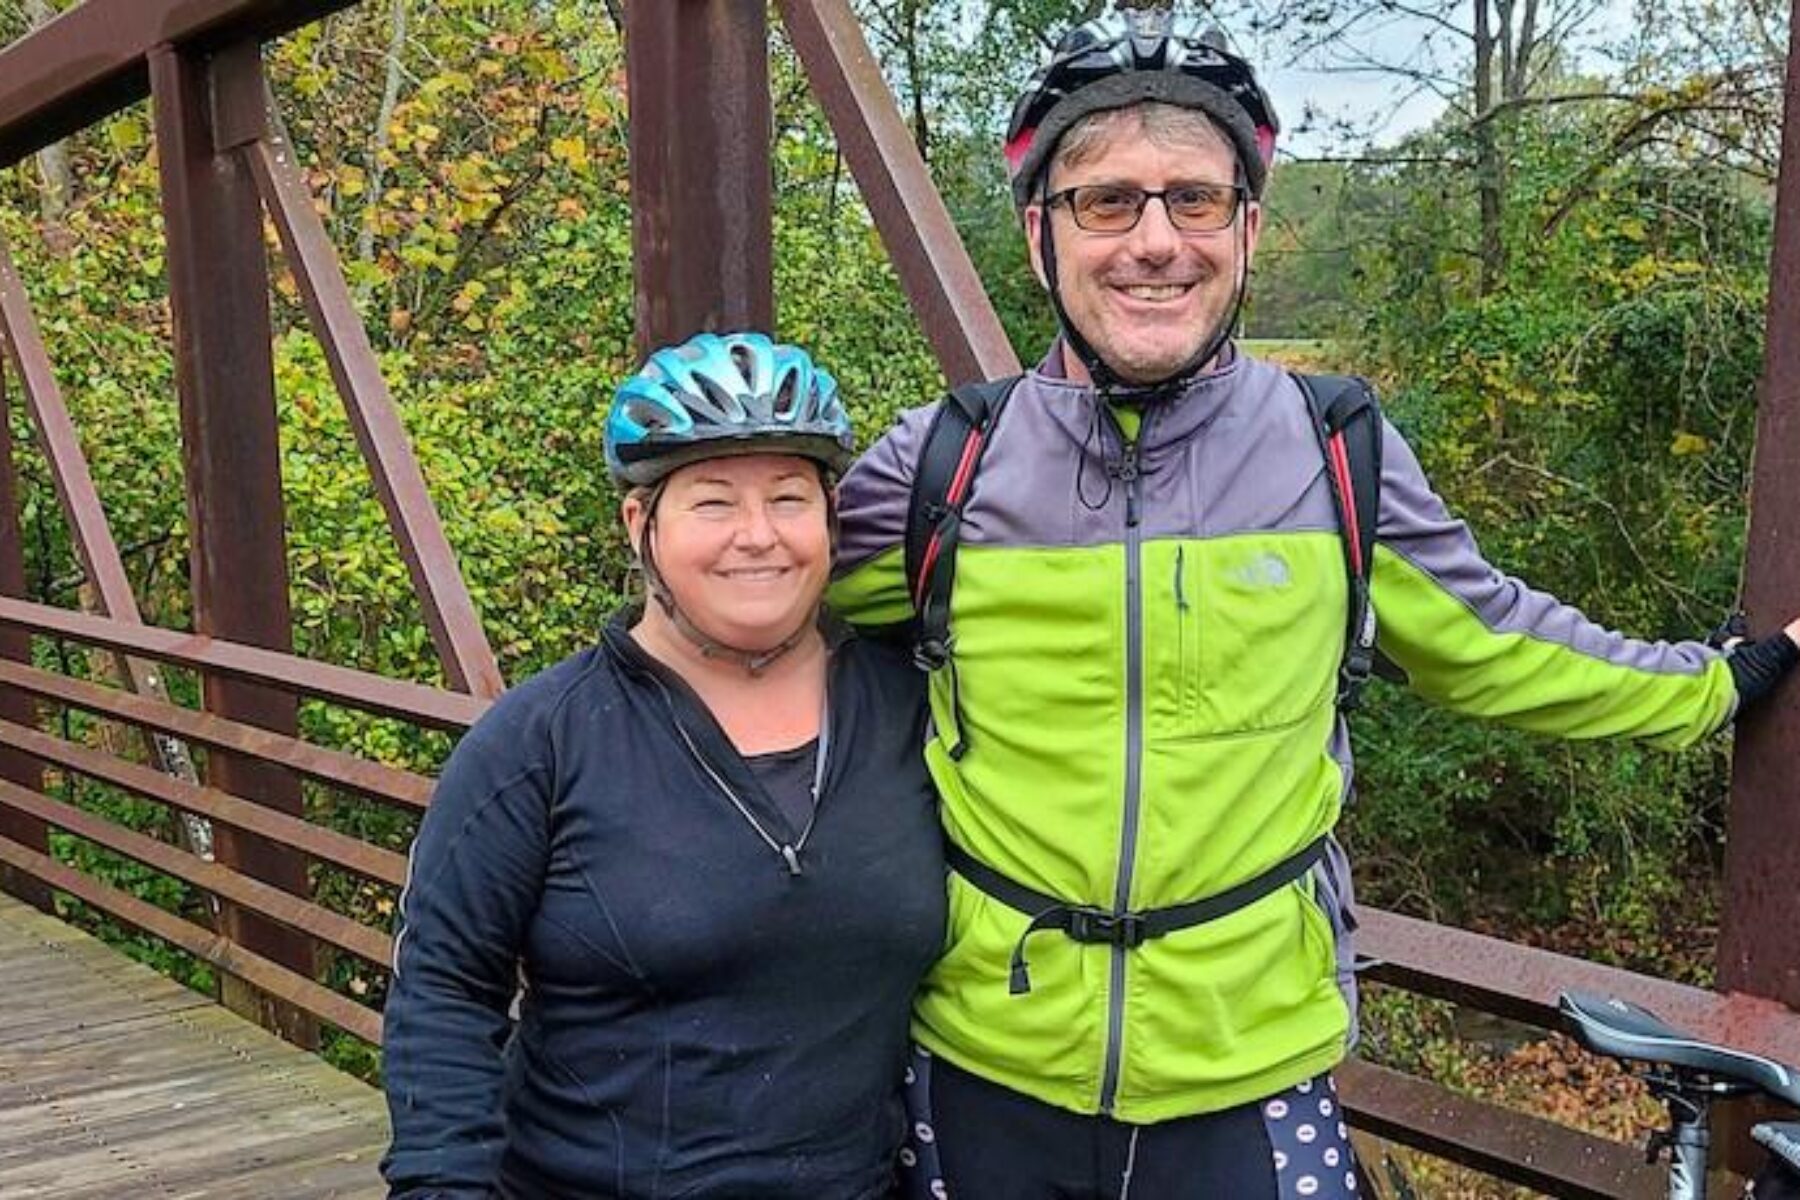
(1097,926)
(930,654)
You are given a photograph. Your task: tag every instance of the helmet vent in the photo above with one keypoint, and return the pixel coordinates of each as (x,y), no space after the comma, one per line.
(744,361)
(787,396)
(652,418)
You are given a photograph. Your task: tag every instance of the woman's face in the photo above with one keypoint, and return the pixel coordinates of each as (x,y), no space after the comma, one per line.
(743,543)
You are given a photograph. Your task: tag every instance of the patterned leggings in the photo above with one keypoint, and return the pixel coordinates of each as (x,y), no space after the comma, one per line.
(975,1140)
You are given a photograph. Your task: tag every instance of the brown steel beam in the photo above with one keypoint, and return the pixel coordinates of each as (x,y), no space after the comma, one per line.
(15,644)
(456,630)
(224,373)
(431,707)
(1523,982)
(940,281)
(333,768)
(341,850)
(701,184)
(1536,1153)
(1759,937)
(90,61)
(232,959)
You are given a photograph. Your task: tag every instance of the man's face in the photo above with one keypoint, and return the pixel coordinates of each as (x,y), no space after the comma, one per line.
(1149,299)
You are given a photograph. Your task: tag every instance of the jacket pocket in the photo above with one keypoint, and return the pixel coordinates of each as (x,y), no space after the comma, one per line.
(1268,622)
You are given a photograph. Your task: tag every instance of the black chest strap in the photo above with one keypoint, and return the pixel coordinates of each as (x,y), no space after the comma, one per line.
(1092,925)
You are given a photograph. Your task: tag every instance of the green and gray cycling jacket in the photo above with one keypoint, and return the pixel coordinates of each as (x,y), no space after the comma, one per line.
(1146,669)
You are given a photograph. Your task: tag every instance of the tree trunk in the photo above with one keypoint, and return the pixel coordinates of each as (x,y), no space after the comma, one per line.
(52,160)
(390,98)
(1488,181)
(915,82)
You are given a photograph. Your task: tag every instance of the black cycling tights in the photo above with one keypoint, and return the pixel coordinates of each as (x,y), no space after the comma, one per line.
(980,1141)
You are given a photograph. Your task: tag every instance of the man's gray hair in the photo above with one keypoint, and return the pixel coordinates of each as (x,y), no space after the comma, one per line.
(1169,126)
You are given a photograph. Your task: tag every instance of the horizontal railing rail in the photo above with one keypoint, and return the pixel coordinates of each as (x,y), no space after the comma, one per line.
(333,768)
(220,952)
(430,707)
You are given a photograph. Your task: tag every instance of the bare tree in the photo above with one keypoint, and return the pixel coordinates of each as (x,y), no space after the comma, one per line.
(376,170)
(1486,60)
(899,31)
(58,183)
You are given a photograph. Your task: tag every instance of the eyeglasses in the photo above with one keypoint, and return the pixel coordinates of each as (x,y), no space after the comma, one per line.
(1117,208)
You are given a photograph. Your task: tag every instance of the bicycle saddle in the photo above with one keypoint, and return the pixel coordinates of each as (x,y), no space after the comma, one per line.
(1614,1027)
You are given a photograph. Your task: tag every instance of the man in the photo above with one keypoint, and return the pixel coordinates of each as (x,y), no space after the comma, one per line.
(1138,710)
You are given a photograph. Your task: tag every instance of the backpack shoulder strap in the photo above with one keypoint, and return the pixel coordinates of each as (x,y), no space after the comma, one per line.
(1347,418)
(954,442)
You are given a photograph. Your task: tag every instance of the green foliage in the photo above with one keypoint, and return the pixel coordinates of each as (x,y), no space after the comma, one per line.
(1306,257)
(1591,417)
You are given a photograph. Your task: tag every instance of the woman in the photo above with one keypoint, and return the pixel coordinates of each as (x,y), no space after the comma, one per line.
(707,847)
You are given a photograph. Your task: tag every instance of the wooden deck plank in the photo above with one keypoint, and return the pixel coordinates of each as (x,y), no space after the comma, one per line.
(115,1081)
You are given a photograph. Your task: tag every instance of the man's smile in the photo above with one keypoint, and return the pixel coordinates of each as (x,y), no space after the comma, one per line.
(1155,292)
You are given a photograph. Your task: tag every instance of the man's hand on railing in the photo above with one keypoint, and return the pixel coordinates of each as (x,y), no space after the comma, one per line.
(1757,666)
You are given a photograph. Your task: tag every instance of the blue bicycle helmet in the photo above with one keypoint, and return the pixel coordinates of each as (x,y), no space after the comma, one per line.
(714,395)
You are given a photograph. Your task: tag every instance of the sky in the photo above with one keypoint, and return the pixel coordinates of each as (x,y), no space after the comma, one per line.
(1379,104)
(1386,107)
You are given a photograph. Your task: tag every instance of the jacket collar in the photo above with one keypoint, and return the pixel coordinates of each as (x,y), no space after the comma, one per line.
(1070,404)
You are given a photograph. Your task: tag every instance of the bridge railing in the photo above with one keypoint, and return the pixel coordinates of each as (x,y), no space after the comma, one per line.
(320,928)
(225,167)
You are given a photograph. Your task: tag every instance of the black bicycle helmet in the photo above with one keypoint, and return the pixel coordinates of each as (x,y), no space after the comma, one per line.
(1128,58)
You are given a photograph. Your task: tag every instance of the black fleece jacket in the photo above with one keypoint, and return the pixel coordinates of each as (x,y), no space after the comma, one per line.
(698,1019)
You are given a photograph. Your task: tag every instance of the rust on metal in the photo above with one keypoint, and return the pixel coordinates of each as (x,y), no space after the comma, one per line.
(333,768)
(431,707)
(90,61)
(225,379)
(16,645)
(327,845)
(1523,982)
(269,977)
(450,614)
(1521,1149)
(301,917)
(940,281)
(1759,937)
(702,188)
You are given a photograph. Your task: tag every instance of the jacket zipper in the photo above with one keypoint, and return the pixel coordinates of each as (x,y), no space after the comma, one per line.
(789,854)
(1131,476)
(1187,643)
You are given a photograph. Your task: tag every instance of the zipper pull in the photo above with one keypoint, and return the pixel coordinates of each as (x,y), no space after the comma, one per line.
(793,860)
(1128,462)
(1129,476)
